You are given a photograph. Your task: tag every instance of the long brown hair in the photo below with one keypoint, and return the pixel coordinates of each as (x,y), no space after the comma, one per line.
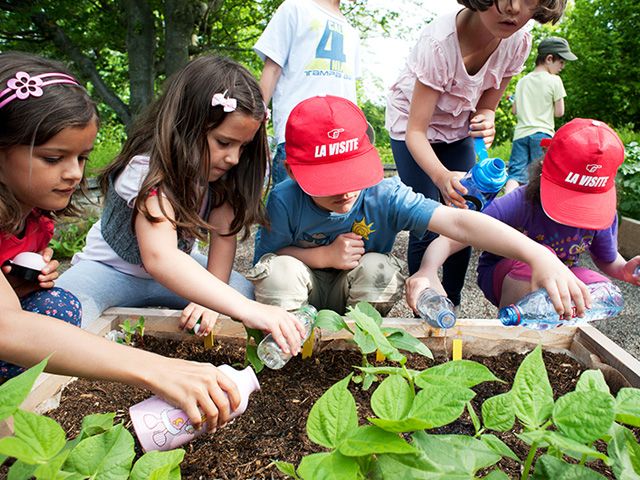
(35,120)
(173,132)
(547,10)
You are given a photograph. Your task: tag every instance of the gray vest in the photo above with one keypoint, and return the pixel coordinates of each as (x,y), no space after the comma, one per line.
(117,229)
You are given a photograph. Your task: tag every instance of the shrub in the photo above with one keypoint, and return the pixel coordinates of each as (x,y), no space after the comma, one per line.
(628,182)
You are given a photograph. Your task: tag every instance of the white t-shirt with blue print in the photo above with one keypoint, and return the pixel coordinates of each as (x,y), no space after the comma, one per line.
(377,216)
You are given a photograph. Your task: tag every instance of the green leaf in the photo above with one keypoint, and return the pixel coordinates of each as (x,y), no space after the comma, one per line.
(393,398)
(21,471)
(251,349)
(334,416)
(440,406)
(498,413)
(531,392)
(107,455)
(96,424)
(53,466)
(15,390)
(498,446)
(411,424)
(328,466)
(548,467)
(403,340)
(366,343)
(497,475)
(627,406)
(570,447)
(330,320)
(592,380)
(287,468)
(369,311)
(152,463)
(371,328)
(459,453)
(37,439)
(466,373)
(624,451)
(414,467)
(370,440)
(584,416)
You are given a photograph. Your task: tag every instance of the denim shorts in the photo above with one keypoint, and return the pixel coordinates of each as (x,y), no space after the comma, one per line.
(524,152)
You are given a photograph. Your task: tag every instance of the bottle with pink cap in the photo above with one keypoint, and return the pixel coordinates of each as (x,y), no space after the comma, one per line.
(161,426)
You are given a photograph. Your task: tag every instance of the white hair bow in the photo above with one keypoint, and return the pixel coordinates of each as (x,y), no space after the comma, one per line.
(229,104)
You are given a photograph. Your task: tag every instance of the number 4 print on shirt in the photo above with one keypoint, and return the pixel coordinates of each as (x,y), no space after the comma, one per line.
(331,45)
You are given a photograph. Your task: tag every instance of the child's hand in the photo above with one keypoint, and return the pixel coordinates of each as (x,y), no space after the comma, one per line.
(286,329)
(194,312)
(629,269)
(561,284)
(483,126)
(416,283)
(451,189)
(200,389)
(50,271)
(345,251)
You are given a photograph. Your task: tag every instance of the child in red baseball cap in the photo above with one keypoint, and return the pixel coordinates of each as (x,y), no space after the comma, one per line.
(334,222)
(569,206)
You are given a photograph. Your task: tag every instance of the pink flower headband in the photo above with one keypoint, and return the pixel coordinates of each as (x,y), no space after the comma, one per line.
(23,85)
(229,104)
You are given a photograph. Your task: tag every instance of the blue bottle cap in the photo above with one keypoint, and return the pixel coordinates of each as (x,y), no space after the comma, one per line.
(490,174)
(509,315)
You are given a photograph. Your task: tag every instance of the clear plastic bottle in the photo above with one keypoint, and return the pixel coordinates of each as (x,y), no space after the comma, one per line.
(161,426)
(536,311)
(485,179)
(269,351)
(436,309)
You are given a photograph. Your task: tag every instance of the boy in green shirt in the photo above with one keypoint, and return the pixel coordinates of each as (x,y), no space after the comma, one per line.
(539,98)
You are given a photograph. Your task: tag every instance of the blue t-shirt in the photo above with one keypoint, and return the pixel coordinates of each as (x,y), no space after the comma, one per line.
(568,243)
(378,215)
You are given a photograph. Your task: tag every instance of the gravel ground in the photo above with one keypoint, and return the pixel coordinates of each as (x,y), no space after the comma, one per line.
(622,329)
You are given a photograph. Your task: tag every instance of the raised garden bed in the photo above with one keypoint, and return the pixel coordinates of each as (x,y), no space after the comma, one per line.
(274,425)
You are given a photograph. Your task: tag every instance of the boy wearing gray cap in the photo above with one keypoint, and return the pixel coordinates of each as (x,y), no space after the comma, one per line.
(538,99)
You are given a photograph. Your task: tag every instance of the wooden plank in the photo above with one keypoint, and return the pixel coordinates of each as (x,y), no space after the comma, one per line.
(609,353)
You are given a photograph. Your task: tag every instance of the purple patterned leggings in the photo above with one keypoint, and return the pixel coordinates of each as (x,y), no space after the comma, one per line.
(54,302)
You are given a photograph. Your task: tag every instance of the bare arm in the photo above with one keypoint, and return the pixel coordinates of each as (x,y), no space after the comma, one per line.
(486,233)
(270,75)
(343,253)
(182,274)
(514,109)
(222,248)
(558,107)
(423,104)
(620,268)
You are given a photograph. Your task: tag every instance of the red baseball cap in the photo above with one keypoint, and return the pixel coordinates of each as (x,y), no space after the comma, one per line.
(328,149)
(577,187)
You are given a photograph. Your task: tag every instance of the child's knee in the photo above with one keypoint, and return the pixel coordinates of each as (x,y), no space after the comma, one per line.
(281,280)
(377,279)
(55,302)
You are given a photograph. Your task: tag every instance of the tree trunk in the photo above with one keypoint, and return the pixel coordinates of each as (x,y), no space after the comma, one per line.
(141,50)
(179,19)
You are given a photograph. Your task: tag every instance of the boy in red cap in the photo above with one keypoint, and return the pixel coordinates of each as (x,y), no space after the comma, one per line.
(569,206)
(333,224)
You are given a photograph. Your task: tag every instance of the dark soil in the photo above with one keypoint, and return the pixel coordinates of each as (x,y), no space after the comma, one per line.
(274,425)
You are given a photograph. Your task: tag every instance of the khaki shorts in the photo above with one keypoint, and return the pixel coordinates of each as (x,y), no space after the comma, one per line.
(287,282)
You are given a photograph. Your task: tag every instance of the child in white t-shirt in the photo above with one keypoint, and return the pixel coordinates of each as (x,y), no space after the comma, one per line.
(309,49)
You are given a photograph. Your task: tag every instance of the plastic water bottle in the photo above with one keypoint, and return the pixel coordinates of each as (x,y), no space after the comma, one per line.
(270,352)
(536,311)
(435,309)
(161,426)
(485,179)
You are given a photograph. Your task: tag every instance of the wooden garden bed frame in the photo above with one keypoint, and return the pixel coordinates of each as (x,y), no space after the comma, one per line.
(479,337)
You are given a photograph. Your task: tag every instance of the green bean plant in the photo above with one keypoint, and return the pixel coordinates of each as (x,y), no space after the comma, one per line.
(397,443)
(39,447)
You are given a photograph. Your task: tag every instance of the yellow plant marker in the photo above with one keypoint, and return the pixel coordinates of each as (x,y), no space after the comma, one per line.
(208,341)
(380,356)
(457,349)
(307,348)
